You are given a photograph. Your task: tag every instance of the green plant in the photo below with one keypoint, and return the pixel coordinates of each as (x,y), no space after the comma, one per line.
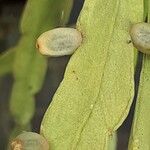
(25,62)
(97,91)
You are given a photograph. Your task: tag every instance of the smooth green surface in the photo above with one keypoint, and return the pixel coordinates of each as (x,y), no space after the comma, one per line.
(6,64)
(146,10)
(98,87)
(140,135)
(112,144)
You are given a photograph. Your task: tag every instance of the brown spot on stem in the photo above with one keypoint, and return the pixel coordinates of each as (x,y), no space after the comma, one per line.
(37,45)
(73,71)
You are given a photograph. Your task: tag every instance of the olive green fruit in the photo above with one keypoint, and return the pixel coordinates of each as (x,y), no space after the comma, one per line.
(59,42)
(29,141)
(140,36)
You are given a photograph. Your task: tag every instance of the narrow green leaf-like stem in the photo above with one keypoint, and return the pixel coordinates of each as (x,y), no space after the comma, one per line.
(29,66)
(140,134)
(96,93)
(6,62)
(146,9)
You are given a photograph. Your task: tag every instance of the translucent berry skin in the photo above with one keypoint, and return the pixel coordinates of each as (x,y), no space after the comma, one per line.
(59,42)
(140,36)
